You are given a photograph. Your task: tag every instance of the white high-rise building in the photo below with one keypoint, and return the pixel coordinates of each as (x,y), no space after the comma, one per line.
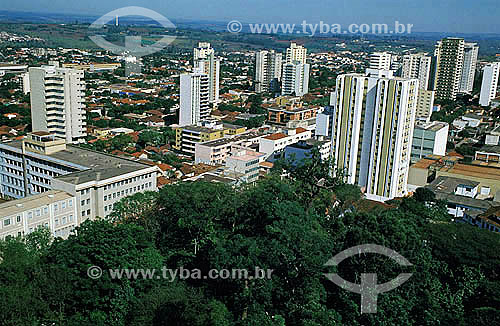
(202,51)
(296,53)
(295,79)
(471,51)
(490,83)
(57,102)
(380,61)
(372,131)
(268,66)
(417,66)
(194,98)
(211,66)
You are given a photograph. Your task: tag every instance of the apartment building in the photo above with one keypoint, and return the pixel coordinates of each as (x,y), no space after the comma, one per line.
(278,141)
(42,162)
(295,79)
(417,66)
(202,51)
(211,67)
(429,139)
(57,98)
(216,151)
(268,66)
(194,98)
(450,53)
(489,84)
(245,162)
(471,51)
(284,116)
(425,105)
(54,209)
(296,53)
(373,129)
(186,137)
(380,61)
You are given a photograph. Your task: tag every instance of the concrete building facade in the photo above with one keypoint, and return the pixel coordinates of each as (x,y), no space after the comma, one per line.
(57,102)
(372,131)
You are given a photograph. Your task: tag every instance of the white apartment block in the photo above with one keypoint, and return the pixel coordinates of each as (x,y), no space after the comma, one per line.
(268,66)
(215,152)
(449,54)
(211,67)
(245,163)
(425,104)
(57,102)
(489,84)
(471,51)
(194,98)
(380,61)
(97,180)
(429,139)
(296,53)
(278,141)
(417,66)
(372,131)
(54,210)
(295,79)
(202,51)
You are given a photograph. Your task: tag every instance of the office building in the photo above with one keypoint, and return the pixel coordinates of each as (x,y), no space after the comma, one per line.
(268,66)
(296,53)
(449,54)
(295,79)
(380,61)
(489,84)
(57,102)
(372,131)
(471,51)
(429,139)
(417,66)
(42,162)
(194,98)
(55,210)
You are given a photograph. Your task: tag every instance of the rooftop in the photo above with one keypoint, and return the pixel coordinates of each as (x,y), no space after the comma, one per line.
(88,165)
(449,185)
(21,205)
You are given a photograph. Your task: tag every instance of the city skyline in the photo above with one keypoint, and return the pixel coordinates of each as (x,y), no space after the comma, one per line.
(426,16)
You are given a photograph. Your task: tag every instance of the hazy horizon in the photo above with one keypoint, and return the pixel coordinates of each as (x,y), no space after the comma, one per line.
(427,16)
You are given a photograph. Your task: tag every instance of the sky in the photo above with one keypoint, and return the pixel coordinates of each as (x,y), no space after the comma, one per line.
(450,16)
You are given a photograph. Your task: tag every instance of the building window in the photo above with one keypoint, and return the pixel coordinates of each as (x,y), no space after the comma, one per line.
(70,203)
(18,218)
(6,222)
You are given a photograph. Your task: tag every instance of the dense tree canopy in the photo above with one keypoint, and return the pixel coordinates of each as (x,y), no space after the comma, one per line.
(291,226)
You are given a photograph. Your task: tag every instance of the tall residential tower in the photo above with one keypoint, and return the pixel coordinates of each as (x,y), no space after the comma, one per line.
(268,66)
(57,102)
(372,131)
